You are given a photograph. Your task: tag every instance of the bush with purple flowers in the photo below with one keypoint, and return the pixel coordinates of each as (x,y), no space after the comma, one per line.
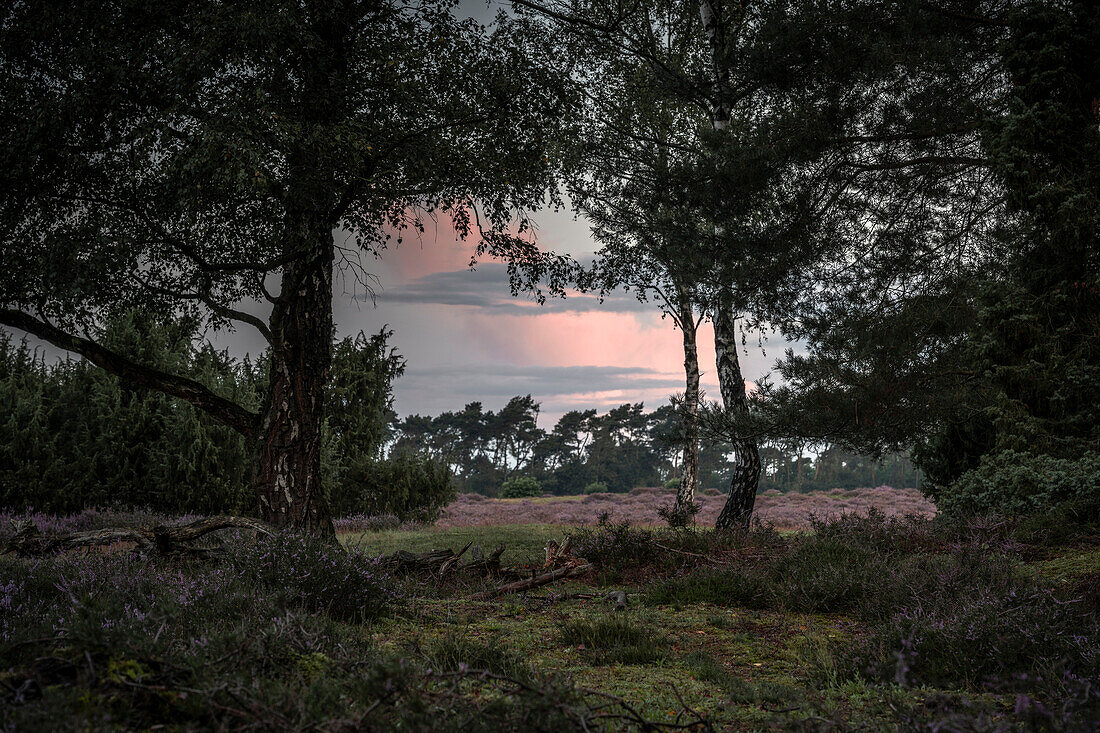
(316,576)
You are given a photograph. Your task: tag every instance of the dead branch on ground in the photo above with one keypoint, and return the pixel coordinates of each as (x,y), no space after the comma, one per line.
(162,539)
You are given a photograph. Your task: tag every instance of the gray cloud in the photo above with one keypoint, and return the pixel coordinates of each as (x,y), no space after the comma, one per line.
(435,389)
(487,288)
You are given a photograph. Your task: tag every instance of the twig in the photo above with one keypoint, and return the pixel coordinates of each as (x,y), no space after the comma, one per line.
(692,554)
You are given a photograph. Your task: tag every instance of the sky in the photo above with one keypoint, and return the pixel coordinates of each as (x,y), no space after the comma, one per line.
(466,339)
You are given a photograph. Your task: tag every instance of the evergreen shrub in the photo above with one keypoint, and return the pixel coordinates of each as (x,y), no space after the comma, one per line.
(408,486)
(596,487)
(1012,483)
(520,488)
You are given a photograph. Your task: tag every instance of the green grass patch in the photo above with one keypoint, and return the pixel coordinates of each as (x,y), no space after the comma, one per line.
(616,639)
(1075,563)
(523,542)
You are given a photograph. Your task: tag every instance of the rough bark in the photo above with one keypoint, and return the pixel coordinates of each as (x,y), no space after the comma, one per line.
(685,495)
(286,473)
(741,499)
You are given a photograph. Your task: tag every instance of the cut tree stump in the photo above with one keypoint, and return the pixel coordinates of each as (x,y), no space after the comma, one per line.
(163,540)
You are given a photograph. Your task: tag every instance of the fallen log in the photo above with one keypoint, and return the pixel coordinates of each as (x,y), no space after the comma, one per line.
(438,563)
(162,539)
(571,571)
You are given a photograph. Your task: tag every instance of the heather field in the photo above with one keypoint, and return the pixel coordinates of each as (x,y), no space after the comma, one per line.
(789,511)
(858,622)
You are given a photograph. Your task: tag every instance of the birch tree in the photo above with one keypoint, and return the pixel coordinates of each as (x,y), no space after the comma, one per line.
(638,162)
(196,158)
(742,132)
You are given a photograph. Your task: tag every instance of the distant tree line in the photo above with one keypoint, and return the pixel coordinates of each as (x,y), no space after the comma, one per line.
(73,436)
(506,451)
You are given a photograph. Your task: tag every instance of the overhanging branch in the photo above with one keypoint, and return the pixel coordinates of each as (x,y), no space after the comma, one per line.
(225,411)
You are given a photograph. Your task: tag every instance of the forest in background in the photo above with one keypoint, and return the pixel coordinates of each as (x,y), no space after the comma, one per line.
(623,448)
(69,424)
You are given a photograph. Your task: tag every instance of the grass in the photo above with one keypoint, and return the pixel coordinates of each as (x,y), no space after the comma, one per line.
(758,632)
(523,543)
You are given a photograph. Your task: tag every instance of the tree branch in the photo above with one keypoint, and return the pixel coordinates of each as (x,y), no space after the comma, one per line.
(207,299)
(225,411)
(922,160)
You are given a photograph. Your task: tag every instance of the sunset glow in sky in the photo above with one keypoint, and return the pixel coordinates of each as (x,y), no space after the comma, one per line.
(467,339)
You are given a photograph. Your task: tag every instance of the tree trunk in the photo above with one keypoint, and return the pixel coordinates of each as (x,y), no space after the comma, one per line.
(685,495)
(286,472)
(746,472)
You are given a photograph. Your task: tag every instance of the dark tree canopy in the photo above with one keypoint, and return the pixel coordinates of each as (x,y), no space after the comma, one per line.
(960,314)
(196,159)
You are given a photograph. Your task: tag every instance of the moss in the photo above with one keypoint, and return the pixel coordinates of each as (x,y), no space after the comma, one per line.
(311,665)
(1072,565)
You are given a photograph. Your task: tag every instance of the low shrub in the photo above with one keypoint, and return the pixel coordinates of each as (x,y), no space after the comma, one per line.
(596,487)
(1003,638)
(362,523)
(452,652)
(870,567)
(718,587)
(520,488)
(1011,483)
(317,576)
(616,548)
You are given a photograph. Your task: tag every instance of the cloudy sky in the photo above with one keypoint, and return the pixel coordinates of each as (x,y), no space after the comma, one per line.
(466,338)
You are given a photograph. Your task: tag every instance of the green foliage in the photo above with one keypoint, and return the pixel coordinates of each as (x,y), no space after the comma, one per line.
(183,160)
(358,417)
(596,487)
(316,575)
(620,639)
(968,324)
(870,567)
(1021,484)
(521,487)
(407,486)
(619,450)
(75,437)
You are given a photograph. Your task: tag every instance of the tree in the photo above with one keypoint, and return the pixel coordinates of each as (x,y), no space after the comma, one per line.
(359,413)
(197,158)
(961,318)
(713,139)
(76,437)
(638,160)
(73,437)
